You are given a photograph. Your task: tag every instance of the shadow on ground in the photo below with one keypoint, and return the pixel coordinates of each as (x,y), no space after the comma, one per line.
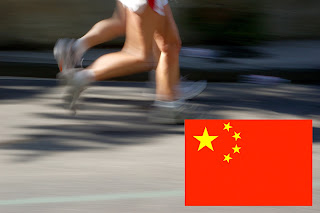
(18,89)
(100,125)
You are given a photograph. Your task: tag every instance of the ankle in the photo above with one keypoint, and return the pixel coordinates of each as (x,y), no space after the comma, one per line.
(84,77)
(80,46)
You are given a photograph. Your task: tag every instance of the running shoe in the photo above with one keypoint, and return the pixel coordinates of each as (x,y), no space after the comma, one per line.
(67,58)
(76,85)
(176,112)
(187,89)
(191,89)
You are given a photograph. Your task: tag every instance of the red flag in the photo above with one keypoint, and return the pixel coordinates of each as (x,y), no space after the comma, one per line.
(248,162)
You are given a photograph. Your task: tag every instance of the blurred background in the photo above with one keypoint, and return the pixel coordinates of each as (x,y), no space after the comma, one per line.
(36,24)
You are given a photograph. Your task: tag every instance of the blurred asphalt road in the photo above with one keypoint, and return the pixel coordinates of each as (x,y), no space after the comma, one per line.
(109,158)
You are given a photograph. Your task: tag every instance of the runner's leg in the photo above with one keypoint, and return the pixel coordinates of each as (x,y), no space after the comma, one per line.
(106,29)
(136,55)
(169,43)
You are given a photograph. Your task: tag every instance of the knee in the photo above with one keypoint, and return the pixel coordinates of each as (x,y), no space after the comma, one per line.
(143,58)
(172,47)
(119,26)
(146,60)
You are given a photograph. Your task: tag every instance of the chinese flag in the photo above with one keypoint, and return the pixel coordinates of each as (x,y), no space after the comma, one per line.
(248,162)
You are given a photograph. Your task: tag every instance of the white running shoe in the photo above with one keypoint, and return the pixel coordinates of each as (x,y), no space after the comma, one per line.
(191,89)
(67,58)
(187,89)
(65,54)
(175,112)
(76,85)
(66,76)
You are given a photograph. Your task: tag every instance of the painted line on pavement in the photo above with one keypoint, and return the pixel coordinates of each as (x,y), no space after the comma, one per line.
(92,198)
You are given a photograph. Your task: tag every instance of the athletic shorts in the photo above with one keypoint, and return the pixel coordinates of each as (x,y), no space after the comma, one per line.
(138,6)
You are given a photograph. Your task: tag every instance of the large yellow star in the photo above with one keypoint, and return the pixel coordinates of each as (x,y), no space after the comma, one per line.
(237,136)
(227,126)
(205,139)
(236,149)
(227,157)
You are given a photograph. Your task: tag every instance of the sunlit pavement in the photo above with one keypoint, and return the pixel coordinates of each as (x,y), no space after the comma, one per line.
(109,157)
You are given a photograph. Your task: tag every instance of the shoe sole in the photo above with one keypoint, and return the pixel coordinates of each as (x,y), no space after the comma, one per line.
(199,87)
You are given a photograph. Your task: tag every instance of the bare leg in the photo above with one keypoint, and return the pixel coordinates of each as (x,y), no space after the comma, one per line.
(167,37)
(169,43)
(136,54)
(107,29)
(68,52)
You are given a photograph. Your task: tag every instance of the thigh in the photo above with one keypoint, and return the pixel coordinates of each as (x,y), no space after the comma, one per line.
(167,31)
(120,13)
(140,28)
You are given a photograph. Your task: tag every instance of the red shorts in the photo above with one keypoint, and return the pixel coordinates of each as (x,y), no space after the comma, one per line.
(139,5)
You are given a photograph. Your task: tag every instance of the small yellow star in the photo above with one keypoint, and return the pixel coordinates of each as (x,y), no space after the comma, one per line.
(227,126)
(237,136)
(227,157)
(236,149)
(205,139)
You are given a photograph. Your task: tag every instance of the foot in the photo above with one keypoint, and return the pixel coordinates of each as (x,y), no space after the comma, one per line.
(65,54)
(187,89)
(76,85)
(66,76)
(191,89)
(170,112)
(67,58)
